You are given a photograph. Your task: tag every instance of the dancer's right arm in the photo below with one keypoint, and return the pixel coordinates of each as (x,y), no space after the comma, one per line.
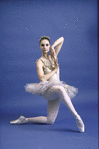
(40,72)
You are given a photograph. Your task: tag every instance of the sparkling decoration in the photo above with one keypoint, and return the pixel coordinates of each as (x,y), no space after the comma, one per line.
(76,19)
(64,26)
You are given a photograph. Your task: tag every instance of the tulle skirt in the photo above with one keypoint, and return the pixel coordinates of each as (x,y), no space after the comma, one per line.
(42,87)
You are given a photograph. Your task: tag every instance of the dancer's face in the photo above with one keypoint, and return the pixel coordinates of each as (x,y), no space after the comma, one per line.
(44,46)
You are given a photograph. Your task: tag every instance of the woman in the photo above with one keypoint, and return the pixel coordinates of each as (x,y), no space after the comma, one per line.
(50,86)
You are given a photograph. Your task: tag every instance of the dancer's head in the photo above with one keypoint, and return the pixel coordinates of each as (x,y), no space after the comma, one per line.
(45,44)
(43,38)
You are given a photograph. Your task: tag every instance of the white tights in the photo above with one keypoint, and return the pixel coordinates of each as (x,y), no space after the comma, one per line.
(54,95)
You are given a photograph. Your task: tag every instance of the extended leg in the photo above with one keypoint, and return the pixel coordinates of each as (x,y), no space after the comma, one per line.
(53,107)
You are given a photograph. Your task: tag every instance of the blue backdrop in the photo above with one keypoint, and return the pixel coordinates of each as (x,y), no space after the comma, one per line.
(22,23)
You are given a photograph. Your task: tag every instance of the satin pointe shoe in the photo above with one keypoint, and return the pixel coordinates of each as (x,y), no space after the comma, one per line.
(20,120)
(80,125)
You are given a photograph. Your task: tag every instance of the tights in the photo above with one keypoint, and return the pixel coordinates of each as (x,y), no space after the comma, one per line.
(54,95)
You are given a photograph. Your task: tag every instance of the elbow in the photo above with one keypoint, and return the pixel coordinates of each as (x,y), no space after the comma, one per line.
(62,39)
(42,79)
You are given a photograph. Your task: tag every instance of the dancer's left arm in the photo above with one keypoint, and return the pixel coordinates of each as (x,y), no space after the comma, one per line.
(56,47)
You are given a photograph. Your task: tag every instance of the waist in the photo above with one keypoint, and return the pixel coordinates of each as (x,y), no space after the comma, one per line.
(55,78)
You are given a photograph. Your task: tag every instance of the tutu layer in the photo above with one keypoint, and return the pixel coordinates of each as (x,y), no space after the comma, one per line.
(42,87)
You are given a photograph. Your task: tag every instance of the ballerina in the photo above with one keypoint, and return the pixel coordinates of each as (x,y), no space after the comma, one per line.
(50,86)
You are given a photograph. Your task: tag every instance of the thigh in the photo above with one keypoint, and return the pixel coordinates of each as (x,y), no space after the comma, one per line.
(52,110)
(51,93)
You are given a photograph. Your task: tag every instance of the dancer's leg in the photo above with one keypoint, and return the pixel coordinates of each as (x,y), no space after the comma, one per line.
(52,110)
(61,93)
(53,93)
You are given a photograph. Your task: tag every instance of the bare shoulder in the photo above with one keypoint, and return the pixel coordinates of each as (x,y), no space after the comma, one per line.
(39,63)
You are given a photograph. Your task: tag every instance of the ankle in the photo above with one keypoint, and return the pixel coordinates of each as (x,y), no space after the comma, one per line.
(77,117)
(26,120)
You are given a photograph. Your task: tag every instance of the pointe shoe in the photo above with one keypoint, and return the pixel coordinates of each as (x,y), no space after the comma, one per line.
(80,125)
(20,120)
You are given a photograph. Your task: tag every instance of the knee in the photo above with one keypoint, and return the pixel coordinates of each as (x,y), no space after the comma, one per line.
(28,88)
(50,121)
(59,89)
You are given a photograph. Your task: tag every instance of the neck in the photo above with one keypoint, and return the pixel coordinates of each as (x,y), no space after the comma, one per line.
(45,55)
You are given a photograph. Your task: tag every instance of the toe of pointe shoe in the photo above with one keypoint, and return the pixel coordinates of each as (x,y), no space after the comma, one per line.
(19,121)
(80,125)
(15,122)
(81,129)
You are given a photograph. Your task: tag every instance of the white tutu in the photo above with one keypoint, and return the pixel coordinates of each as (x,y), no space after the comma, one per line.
(42,87)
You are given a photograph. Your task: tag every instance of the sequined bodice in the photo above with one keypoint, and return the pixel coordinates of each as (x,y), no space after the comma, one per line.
(48,67)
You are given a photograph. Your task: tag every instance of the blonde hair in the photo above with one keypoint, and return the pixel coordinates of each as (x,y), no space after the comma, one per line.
(44,37)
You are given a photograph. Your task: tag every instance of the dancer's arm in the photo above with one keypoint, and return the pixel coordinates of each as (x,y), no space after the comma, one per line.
(40,72)
(57,45)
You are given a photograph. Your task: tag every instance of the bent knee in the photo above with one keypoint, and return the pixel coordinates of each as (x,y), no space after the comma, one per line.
(28,87)
(59,88)
(50,121)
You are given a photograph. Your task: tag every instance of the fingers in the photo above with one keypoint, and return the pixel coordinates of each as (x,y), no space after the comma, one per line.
(56,60)
(53,55)
(52,51)
(51,48)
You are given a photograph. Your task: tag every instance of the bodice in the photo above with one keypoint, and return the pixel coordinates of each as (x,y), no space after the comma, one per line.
(49,67)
